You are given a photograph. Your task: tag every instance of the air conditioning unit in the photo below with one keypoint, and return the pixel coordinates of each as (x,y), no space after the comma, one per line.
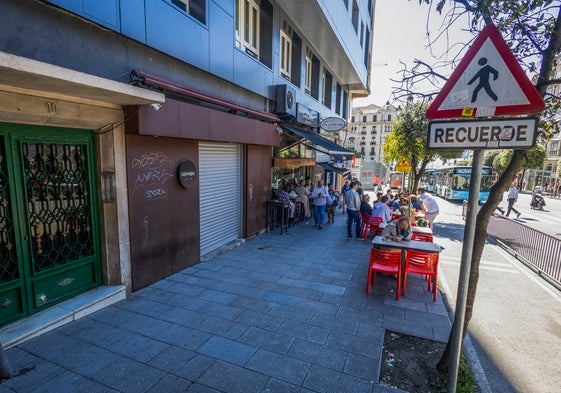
(286,100)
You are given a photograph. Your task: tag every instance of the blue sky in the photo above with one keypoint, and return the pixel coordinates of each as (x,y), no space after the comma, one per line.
(400,33)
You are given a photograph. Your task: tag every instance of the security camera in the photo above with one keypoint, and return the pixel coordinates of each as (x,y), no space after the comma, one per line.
(156,106)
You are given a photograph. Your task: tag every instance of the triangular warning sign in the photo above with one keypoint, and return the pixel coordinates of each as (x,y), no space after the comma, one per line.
(487,82)
(403,162)
(403,165)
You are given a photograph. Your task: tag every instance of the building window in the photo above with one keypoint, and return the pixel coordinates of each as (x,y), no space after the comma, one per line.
(375,118)
(389,117)
(254,32)
(355,16)
(352,119)
(327,88)
(308,86)
(361,33)
(248,26)
(312,74)
(367,47)
(338,98)
(286,51)
(195,8)
(364,119)
(345,103)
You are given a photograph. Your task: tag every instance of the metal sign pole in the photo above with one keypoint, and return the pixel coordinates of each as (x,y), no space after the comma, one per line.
(465,267)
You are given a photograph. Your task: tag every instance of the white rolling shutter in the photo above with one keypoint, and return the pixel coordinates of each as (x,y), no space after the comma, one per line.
(219,194)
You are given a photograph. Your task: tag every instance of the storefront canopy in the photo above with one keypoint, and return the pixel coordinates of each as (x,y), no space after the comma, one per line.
(329,167)
(321,144)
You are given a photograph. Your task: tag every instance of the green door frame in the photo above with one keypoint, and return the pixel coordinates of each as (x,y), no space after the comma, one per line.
(45,286)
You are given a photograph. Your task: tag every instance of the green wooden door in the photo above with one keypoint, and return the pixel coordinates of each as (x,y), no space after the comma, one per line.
(49,237)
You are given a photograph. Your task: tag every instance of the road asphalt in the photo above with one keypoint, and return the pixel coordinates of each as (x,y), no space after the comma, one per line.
(278,314)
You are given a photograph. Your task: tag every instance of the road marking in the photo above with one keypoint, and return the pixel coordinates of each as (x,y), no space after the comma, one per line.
(530,274)
(489,268)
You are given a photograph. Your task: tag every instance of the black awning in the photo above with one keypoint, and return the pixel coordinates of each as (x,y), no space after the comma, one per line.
(331,168)
(321,144)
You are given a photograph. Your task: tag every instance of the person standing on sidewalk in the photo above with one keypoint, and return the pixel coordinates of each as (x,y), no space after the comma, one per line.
(512,197)
(346,188)
(352,200)
(320,196)
(429,205)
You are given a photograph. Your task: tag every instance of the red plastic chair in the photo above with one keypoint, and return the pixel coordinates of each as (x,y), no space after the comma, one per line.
(423,263)
(364,218)
(373,225)
(388,262)
(424,237)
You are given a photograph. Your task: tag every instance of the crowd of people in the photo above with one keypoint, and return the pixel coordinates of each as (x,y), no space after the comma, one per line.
(322,203)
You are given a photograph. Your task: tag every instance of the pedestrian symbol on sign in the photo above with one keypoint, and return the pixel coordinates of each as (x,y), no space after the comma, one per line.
(484,75)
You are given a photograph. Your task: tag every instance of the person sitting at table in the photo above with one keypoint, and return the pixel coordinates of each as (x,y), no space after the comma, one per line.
(415,204)
(381,209)
(284,197)
(398,229)
(396,203)
(365,207)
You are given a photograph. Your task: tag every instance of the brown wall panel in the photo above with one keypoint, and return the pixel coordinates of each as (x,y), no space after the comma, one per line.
(164,216)
(183,120)
(258,187)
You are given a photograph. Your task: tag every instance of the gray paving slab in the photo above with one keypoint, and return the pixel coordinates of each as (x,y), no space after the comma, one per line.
(171,384)
(319,354)
(265,339)
(227,377)
(227,350)
(265,317)
(74,383)
(127,375)
(321,379)
(279,366)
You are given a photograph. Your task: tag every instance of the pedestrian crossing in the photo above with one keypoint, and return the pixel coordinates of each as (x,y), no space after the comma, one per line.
(484,265)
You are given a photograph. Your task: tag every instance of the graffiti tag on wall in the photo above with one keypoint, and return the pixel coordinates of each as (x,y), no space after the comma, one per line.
(152,174)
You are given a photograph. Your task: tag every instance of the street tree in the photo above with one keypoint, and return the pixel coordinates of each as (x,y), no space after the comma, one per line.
(532,29)
(408,138)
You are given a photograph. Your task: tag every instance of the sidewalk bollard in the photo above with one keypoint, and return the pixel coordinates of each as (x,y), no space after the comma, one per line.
(5,369)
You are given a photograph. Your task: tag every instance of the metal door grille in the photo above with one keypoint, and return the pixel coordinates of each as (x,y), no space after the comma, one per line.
(8,259)
(58,203)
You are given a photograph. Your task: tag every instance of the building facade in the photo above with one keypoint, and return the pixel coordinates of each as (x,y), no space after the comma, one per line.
(138,137)
(366,135)
(548,176)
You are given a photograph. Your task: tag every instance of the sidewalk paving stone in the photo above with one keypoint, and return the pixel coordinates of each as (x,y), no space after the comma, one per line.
(279,366)
(227,350)
(233,379)
(265,317)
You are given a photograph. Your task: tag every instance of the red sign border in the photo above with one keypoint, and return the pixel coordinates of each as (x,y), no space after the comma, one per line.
(536,103)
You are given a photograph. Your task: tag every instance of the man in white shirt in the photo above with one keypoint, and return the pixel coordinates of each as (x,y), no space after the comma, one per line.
(512,197)
(381,209)
(320,195)
(352,200)
(429,205)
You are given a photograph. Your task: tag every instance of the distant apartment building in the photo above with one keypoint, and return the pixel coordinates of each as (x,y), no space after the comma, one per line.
(548,177)
(139,136)
(368,128)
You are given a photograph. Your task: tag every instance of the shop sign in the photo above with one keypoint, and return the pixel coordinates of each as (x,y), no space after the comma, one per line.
(305,115)
(333,124)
